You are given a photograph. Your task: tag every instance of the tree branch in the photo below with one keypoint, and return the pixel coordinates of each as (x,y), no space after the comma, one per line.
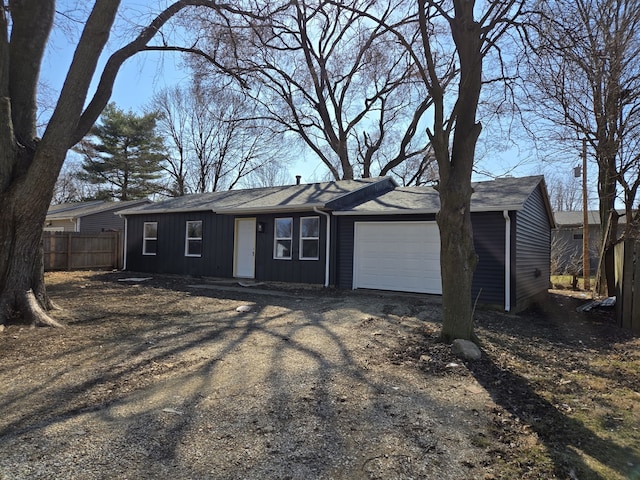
(115,61)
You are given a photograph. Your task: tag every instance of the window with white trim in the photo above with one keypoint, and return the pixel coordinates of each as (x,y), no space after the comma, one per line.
(193,241)
(283,238)
(150,238)
(309,238)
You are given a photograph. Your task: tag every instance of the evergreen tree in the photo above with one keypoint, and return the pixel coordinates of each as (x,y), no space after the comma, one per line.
(123,155)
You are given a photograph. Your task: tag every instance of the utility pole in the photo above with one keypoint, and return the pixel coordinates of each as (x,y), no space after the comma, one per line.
(585,220)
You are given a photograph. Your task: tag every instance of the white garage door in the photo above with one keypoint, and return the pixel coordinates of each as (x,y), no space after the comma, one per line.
(399,256)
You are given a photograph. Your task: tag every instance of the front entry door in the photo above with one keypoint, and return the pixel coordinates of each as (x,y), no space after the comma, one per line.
(244,265)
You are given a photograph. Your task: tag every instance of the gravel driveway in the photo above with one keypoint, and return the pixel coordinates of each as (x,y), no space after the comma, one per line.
(175,378)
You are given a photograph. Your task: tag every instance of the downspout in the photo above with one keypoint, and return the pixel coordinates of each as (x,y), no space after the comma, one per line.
(507,261)
(327,245)
(124,245)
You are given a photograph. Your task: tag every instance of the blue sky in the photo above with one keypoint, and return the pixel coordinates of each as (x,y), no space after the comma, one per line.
(138,79)
(149,72)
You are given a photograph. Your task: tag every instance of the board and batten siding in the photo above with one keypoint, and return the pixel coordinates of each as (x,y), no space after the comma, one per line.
(218,243)
(292,270)
(532,250)
(217,238)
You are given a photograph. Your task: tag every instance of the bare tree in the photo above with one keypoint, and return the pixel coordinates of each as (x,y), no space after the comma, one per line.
(70,187)
(173,119)
(270,174)
(338,81)
(584,79)
(418,170)
(455,38)
(29,165)
(218,141)
(565,191)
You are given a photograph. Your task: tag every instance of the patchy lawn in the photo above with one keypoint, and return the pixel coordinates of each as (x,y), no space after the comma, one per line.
(167,379)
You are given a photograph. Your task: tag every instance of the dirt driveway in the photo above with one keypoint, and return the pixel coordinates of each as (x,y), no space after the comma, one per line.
(171,378)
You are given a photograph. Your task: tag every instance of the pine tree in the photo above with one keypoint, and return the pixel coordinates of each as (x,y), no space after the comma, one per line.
(123,155)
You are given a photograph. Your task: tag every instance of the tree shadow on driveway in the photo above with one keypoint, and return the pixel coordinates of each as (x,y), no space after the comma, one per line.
(152,381)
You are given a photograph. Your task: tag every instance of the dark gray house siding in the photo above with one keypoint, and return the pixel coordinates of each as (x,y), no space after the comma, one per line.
(533,250)
(568,245)
(290,270)
(527,248)
(567,241)
(101,222)
(489,243)
(345,241)
(218,233)
(489,234)
(89,218)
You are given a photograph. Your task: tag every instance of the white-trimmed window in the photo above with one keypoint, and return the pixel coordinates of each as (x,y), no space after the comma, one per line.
(309,238)
(193,241)
(283,238)
(150,238)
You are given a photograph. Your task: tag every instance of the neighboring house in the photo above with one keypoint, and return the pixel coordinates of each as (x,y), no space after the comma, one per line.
(567,238)
(366,233)
(88,217)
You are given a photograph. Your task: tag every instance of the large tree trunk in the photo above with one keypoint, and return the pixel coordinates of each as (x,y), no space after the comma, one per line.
(28,166)
(607,181)
(457,259)
(457,254)
(22,289)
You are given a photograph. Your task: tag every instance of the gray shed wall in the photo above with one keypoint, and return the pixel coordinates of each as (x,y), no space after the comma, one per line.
(533,250)
(488,241)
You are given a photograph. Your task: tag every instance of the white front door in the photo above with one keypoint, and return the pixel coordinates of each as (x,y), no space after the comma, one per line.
(244,265)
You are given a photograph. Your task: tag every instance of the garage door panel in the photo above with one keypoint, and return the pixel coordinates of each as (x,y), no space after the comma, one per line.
(398,256)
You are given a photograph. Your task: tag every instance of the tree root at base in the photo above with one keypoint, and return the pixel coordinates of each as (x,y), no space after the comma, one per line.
(33,312)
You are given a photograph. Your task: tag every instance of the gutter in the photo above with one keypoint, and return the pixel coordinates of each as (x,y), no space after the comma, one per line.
(421,211)
(269,209)
(124,245)
(507,260)
(327,245)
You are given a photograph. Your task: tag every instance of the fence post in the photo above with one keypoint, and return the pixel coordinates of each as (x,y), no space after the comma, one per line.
(627,284)
(635,286)
(69,250)
(116,250)
(120,252)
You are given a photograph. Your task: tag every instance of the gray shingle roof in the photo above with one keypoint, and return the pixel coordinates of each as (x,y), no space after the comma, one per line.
(82,209)
(495,195)
(268,199)
(567,219)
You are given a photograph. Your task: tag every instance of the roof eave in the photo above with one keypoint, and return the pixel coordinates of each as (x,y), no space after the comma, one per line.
(422,211)
(161,210)
(270,209)
(409,211)
(70,219)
